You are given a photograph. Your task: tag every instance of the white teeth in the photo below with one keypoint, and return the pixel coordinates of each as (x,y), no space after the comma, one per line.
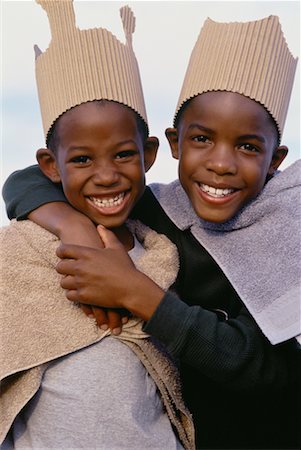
(108,202)
(215,192)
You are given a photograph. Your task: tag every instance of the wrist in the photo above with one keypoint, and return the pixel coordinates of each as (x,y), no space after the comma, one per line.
(67,216)
(52,216)
(145,297)
(80,230)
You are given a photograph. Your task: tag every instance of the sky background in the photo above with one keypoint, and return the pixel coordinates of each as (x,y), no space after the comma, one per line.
(166,32)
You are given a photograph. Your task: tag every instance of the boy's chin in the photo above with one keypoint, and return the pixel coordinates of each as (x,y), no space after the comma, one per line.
(220,211)
(214,216)
(216,220)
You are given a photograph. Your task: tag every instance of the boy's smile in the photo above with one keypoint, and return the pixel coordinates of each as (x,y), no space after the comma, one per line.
(226,145)
(108,203)
(100,161)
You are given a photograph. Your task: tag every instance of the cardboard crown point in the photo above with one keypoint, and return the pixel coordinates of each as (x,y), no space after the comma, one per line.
(85,65)
(249,58)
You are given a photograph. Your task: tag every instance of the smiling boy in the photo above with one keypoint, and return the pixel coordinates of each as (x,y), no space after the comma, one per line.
(100,162)
(227,145)
(65,383)
(233,223)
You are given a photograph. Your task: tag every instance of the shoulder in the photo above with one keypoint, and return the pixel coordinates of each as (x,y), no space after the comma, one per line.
(27,238)
(164,191)
(287,180)
(282,193)
(175,203)
(28,229)
(163,207)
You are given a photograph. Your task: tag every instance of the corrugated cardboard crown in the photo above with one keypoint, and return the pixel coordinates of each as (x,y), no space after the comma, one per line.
(250,58)
(85,65)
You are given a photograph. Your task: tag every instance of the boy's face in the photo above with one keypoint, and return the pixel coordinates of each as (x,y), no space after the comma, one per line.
(100,161)
(226,145)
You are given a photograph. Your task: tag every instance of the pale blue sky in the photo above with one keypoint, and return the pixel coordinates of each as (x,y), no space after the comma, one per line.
(165,35)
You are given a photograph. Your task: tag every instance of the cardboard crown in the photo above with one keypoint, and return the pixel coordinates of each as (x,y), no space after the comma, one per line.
(250,58)
(85,65)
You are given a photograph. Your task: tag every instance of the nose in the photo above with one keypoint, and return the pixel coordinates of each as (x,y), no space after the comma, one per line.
(105,174)
(222,160)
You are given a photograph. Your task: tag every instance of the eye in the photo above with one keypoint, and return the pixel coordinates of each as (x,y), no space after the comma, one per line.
(200,138)
(126,154)
(82,159)
(250,148)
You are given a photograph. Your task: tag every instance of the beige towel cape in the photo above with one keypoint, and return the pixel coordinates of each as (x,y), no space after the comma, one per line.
(38,323)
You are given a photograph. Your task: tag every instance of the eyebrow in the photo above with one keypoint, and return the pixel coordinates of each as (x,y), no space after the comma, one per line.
(127,141)
(85,148)
(253,136)
(257,137)
(78,148)
(200,127)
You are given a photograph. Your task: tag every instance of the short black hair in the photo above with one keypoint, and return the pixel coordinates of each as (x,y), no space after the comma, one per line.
(53,140)
(178,118)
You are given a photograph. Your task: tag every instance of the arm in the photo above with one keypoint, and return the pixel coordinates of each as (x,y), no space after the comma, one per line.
(28,189)
(28,193)
(243,356)
(69,225)
(234,352)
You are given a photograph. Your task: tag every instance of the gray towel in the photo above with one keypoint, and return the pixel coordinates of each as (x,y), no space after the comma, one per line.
(258,249)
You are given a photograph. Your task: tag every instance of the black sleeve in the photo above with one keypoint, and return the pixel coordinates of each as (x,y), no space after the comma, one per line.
(27,189)
(190,322)
(234,352)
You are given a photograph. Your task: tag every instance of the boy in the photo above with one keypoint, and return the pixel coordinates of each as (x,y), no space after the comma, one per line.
(67,384)
(241,389)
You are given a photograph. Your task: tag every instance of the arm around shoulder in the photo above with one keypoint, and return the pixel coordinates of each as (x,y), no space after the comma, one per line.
(29,194)
(27,189)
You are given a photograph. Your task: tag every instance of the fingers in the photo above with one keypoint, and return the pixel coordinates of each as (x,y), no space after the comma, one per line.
(73,292)
(115,321)
(69,251)
(101,317)
(108,238)
(72,295)
(107,318)
(67,282)
(87,310)
(66,267)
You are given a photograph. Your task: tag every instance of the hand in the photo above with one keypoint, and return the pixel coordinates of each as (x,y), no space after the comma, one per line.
(107,318)
(107,277)
(93,276)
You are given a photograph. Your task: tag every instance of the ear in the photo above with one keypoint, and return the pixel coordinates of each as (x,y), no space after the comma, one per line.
(48,165)
(150,151)
(278,156)
(172,137)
